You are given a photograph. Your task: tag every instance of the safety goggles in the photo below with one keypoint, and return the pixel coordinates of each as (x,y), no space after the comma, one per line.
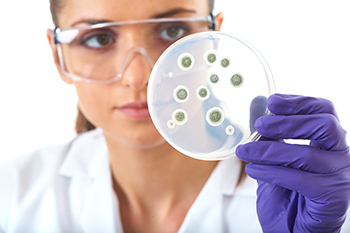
(100,53)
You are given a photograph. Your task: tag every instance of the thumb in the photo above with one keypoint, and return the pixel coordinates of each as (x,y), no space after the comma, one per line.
(257,109)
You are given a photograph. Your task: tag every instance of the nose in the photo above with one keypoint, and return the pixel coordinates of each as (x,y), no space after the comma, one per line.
(136,68)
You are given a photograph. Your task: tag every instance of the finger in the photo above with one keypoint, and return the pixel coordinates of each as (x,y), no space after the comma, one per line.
(280,104)
(311,185)
(301,157)
(279,208)
(257,109)
(324,128)
(272,216)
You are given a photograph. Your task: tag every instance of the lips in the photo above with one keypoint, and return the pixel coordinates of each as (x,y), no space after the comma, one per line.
(135,110)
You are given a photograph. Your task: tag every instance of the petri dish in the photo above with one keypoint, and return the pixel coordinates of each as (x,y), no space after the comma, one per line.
(221,84)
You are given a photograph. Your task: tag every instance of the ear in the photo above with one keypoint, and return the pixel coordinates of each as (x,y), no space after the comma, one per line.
(218,20)
(54,51)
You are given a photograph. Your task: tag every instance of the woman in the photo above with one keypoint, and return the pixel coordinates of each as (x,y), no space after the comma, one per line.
(123,176)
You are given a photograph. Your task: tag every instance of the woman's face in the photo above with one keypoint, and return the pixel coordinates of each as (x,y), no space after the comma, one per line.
(120,108)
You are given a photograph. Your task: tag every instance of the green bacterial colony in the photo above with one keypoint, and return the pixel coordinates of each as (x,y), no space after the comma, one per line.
(214,116)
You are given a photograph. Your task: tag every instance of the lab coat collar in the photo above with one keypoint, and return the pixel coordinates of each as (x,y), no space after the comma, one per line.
(229,171)
(87,164)
(88,158)
(221,186)
(87,155)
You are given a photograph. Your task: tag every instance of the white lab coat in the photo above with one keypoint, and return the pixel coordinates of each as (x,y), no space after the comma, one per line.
(68,188)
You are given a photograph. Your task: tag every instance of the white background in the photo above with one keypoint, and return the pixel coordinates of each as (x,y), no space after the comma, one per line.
(306,43)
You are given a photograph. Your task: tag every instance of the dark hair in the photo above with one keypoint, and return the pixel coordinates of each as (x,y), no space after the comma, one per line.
(55,6)
(82,124)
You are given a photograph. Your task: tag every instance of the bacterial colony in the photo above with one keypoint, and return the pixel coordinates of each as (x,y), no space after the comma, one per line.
(214,116)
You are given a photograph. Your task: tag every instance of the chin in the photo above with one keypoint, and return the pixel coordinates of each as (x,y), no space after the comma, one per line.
(139,140)
(148,143)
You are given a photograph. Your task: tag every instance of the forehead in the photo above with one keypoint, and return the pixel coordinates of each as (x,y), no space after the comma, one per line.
(122,10)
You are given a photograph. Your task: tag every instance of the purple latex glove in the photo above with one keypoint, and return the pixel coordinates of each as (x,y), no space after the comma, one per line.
(302,188)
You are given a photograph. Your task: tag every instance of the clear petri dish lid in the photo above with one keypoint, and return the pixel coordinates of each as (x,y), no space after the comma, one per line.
(205,93)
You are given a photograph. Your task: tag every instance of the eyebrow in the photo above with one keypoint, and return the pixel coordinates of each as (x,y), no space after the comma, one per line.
(89,21)
(156,16)
(173,12)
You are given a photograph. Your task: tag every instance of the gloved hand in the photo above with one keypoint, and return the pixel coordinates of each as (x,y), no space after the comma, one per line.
(302,188)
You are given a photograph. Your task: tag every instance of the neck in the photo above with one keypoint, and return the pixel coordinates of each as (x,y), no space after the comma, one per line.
(159,175)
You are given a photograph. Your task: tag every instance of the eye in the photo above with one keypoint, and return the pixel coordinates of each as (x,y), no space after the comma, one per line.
(172,33)
(98,41)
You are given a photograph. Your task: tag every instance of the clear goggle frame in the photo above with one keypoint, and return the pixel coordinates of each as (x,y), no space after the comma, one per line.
(100,53)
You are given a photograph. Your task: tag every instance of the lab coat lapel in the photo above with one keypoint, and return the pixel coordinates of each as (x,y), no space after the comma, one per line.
(207,214)
(204,215)
(101,210)
(91,192)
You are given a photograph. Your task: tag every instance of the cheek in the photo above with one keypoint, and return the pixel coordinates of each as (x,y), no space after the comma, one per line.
(92,102)
(96,103)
